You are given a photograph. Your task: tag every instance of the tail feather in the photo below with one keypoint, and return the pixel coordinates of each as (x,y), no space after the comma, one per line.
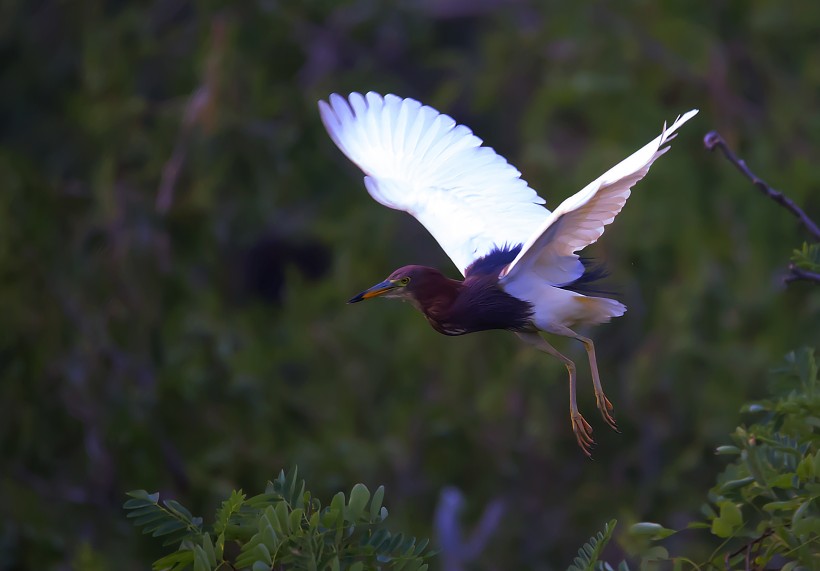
(598,309)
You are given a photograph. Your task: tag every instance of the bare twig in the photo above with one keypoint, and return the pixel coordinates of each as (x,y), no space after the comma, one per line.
(796,274)
(170,172)
(713,140)
(755,543)
(200,106)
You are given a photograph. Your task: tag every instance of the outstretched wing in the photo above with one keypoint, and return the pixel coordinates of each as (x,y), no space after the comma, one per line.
(580,220)
(418,160)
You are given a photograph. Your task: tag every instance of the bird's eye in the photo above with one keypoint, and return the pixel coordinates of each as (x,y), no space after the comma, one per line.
(404,281)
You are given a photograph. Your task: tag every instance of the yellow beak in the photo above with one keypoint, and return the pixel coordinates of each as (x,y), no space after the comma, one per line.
(375,291)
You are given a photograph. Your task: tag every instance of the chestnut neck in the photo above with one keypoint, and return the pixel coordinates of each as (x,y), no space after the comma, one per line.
(436,293)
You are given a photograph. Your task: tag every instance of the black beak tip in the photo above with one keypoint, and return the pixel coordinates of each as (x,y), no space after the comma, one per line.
(355,299)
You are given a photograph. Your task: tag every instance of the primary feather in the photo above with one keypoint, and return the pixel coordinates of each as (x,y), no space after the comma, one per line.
(580,220)
(471,199)
(418,160)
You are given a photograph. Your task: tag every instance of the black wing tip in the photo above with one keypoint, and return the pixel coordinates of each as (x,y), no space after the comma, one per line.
(589,282)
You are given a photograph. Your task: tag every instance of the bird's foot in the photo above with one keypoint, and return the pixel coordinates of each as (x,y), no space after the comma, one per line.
(583,433)
(606,408)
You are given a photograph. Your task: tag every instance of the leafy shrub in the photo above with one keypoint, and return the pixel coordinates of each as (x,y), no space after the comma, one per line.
(282,528)
(765,508)
(590,552)
(768,497)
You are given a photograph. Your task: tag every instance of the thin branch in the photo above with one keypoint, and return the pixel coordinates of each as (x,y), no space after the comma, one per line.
(198,112)
(796,274)
(713,140)
(196,106)
(748,549)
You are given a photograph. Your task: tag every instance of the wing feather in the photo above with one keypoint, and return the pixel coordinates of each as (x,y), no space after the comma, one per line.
(419,160)
(580,220)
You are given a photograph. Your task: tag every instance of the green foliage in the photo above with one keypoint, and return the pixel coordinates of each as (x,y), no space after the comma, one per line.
(808,257)
(767,498)
(765,508)
(283,528)
(590,552)
(170,518)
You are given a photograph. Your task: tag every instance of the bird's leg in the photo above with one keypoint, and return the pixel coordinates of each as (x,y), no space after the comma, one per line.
(581,428)
(600,398)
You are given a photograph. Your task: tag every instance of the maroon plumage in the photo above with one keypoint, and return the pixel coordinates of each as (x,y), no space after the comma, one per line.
(456,307)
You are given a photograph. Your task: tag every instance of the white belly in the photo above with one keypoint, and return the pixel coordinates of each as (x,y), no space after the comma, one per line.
(556,308)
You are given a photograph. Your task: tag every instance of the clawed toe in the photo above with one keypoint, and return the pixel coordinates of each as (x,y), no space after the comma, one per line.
(606,407)
(583,434)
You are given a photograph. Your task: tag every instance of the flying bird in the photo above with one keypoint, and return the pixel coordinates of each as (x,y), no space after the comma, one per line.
(520,264)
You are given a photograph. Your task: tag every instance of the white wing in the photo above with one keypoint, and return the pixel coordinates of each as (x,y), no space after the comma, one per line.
(580,220)
(418,160)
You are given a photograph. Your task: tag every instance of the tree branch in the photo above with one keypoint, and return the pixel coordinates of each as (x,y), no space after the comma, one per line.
(796,274)
(713,140)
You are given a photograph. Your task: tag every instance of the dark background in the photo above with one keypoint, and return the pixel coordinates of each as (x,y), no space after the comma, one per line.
(178,237)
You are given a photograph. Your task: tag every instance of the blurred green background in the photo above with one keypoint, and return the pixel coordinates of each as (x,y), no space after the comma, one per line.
(178,237)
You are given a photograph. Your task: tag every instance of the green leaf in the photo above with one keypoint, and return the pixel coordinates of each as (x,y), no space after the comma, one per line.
(656,553)
(170,520)
(295,520)
(589,553)
(376,503)
(783,481)
(176,559)
(290,488)
(729,520)
(201,562)
(652,530)
(784,505)
(808,257)
(168,527)
(228,508)
(753,464)
(338,502)
(727,450)
(208,548)
(267,533)
(178,509)
(281,523)
(141,497)
(359,497)
(423,543)
(154,516)
(379,537)
(735,484)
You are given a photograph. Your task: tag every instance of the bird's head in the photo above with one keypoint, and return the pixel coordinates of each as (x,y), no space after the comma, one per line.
(408,282)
